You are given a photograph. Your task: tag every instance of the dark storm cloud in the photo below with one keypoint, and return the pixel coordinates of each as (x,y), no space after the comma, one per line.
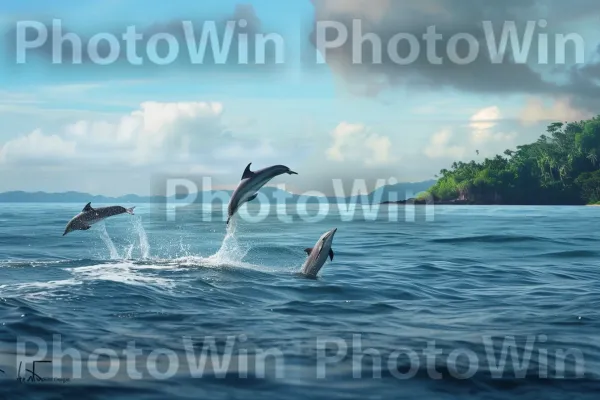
(387,18)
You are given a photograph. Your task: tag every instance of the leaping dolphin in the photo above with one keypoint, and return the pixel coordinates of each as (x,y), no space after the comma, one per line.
(89,216)
(318,254)
(251,184)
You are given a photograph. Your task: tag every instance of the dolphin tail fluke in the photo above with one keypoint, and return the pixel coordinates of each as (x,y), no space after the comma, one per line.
(130,210)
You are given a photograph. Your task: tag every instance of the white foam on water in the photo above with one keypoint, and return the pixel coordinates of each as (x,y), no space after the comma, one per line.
(213,262)
(123,272)
(230,254)
(37,290)
(41,285)
(29,263)
(114,254)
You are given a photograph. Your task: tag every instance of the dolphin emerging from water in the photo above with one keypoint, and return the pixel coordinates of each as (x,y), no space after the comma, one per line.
(251,184)
(89,216)
(318,254)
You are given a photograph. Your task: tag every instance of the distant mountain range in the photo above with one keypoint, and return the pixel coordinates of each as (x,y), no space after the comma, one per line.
(396,192)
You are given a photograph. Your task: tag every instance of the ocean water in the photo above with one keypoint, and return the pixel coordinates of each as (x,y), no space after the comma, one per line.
(465,303)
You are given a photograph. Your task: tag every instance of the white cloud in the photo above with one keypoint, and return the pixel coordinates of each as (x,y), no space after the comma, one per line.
(559,110)
(485,119)
(481,137)
(157,134)
(439,146)
(152,141)
(380,150)
(355,142)
(36,147)
(482,125)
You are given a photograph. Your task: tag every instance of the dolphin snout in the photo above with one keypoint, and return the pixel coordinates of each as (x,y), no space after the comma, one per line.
(292,172)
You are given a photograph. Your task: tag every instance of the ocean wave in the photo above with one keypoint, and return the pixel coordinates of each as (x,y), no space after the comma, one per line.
(494,239)
(123,272)
(396,285)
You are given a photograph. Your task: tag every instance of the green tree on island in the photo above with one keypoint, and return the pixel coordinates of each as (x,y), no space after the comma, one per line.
(562,167)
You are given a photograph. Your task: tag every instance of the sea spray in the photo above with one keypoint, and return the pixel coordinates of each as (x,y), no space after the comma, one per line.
(231,252)
(129,252)
(114,254)
(139,229)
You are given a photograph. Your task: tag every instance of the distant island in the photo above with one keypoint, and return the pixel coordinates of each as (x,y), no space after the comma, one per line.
(561,168)
(428,200)
(398,191)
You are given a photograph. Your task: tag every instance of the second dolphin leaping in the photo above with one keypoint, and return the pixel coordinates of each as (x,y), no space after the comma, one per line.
(251,183)
(89,216)
(318,254)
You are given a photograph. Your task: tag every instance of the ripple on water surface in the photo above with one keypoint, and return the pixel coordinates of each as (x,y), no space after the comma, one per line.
(471,274)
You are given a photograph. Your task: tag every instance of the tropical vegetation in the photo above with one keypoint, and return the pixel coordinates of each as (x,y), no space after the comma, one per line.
(561,168)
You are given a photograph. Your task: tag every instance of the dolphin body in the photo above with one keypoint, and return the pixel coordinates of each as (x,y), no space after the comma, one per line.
(89,216)
(251,184)
(318,254)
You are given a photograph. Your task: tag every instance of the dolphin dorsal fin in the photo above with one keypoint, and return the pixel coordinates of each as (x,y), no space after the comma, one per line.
(247,173)
(88,207)
(308,251)
(331,254)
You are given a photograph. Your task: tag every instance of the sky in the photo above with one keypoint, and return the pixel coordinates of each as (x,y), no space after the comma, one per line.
(121,128)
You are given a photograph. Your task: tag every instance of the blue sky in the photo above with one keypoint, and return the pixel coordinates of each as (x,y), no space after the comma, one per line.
(116,129)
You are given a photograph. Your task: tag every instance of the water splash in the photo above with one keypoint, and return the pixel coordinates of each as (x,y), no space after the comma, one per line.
(231,251)
(144,244)
(114,254)
(129,252)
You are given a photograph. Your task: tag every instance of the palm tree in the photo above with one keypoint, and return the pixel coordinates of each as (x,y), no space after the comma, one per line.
(592,157)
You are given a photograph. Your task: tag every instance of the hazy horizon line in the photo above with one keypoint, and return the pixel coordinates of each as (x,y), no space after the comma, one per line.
(203,191)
